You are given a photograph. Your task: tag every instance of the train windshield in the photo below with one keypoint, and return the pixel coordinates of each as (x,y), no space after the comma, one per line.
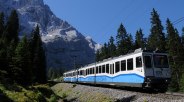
(160,61)
(147,61)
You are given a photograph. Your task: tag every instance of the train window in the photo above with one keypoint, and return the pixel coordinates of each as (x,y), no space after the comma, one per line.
(86,71)
(81,72)
(112,69)
(147,61)
(123,65)
(138,62)
(130,64)
(97,70)
(103,68)
(90,71)
(117,67)
(160,61)
(100,69)
(93,70)
(107,68)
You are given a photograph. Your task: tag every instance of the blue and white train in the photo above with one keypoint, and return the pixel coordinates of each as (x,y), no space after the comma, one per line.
(142,68)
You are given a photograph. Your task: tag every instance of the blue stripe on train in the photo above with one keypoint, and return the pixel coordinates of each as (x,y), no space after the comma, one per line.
(126,78)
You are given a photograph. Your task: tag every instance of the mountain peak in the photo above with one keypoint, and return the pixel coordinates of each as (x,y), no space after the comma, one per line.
(61,40)
(21,3)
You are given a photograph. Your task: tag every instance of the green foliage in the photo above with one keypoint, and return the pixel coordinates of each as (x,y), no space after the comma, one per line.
(156,39)
(1,24)
(175,49)
(54,73)
(124,41)
(23,62)
(139,39)
(182,37)
(38,93)
(12,28)
(38,57)
(111,47)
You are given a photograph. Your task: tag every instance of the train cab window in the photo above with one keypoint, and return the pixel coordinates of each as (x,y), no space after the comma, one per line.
(103,68)
(160,61)
(123,65)
(147,61)
(107,68)
(130,64)
(117,67)
(138,62)
(96,70)
(100,69)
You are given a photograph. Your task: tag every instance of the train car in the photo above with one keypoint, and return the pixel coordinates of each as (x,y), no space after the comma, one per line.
(141,68)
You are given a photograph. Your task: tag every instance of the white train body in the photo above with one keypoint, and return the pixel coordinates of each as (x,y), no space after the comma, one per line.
(141,68)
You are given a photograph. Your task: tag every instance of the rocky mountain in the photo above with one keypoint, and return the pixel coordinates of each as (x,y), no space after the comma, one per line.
(64,45)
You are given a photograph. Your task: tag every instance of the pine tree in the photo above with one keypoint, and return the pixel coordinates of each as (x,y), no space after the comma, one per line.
(157,37)
(139,40)
(175,50)
(1,24)
(121,38)
(182,37)
(3,61)
(98,56)
(104,52)
(111,47)
(129,43)
(38,57)
(22,69)
(12,28)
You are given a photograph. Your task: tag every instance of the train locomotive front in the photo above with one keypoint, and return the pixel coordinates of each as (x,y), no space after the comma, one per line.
(157,71)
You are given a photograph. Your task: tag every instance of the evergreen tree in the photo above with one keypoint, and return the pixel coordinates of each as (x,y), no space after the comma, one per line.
(38,57)
(98,56)
(22,69)
(182,37)
(111,47)
(121,38)
(175,50)
(129,43)
(12,28)
(139,40)
(1,24)
(157,37)
(104,52)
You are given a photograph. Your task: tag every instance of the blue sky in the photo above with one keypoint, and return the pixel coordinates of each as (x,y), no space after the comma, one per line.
(100,19)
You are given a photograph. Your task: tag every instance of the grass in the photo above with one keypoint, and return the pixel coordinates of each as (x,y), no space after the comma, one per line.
(38,93)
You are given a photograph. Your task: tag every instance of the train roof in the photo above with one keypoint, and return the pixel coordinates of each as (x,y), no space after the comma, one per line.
(140,50)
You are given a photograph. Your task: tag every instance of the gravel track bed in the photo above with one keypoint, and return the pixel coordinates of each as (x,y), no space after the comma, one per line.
(87,93)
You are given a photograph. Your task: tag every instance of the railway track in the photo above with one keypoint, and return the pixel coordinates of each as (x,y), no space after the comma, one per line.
(124,94)
(174,94)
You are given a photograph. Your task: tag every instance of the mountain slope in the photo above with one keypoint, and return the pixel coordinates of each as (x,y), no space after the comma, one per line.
(64,45)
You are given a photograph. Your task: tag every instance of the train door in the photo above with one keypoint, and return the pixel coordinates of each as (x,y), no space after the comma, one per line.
(148,65)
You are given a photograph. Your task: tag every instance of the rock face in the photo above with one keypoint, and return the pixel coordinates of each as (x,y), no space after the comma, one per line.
(64,45)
